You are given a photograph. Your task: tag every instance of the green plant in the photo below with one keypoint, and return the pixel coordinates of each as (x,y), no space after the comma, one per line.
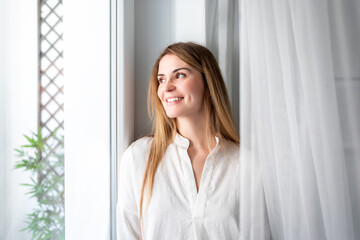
(45,162)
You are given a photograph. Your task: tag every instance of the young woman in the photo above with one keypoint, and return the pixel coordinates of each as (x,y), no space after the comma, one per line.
(183,181)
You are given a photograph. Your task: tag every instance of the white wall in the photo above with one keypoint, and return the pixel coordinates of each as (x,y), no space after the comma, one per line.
(87,119)
(18,108)
(2,123)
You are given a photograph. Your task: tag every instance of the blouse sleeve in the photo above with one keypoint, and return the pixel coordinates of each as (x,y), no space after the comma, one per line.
(127,209)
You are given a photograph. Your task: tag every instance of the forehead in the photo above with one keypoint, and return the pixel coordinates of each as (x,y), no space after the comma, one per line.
(170,62)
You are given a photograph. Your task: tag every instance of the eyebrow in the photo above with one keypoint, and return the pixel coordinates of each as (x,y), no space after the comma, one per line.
(178,69)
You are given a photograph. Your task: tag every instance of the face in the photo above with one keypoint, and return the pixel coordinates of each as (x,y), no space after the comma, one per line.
(181,88)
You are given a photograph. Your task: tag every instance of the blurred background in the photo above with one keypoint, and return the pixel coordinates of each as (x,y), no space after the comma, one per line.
(74,78)
(31,92)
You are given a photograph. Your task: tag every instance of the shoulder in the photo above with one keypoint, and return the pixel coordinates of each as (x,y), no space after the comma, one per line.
(141,145)
(135,156)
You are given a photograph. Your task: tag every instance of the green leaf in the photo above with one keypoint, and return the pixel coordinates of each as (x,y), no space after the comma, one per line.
(26,184)
(20,152)
(30,140)
(46,186)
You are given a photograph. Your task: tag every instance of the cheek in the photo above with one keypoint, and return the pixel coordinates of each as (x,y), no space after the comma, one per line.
(201,96)
(197,90)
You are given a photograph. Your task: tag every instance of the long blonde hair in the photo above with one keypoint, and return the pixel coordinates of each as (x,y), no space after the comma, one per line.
(218,116)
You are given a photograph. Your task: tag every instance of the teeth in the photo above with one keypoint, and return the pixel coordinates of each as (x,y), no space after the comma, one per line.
(170,100)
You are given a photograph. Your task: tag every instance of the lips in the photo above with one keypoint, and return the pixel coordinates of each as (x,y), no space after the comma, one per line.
(173,99)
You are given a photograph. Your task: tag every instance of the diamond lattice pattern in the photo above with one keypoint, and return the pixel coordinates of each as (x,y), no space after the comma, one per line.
(51,70)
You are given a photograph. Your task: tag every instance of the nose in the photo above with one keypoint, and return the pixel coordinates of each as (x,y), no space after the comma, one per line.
(169,86)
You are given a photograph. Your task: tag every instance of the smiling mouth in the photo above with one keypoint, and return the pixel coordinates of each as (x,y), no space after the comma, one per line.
(174,99)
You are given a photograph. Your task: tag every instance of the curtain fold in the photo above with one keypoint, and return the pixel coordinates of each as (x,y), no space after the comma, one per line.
(299,103)
(222,38)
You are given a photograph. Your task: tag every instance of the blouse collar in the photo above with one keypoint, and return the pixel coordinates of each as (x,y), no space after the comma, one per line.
(185,143)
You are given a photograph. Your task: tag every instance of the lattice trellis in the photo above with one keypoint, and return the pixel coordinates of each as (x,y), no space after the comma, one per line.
(50,173)
(51,111)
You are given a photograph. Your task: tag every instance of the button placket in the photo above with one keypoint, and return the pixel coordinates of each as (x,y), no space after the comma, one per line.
(202,196)
(188,178)
(197,199)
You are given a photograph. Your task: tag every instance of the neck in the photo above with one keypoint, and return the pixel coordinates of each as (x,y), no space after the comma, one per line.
(194,130)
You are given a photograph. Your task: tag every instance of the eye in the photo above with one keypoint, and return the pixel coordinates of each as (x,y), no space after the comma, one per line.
(161,80)
(180,75)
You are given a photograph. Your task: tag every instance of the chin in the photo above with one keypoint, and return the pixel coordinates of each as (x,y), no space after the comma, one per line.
(172,114)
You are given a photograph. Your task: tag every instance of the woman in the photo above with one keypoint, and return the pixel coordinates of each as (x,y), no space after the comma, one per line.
(182,182)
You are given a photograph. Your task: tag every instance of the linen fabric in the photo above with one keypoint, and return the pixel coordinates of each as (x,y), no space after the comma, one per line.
(176,209)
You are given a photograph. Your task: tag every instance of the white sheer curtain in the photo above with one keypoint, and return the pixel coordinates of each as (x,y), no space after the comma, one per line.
(300,115)
(222,38)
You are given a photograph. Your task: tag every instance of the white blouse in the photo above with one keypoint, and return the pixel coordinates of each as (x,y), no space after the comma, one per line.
(176,209)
